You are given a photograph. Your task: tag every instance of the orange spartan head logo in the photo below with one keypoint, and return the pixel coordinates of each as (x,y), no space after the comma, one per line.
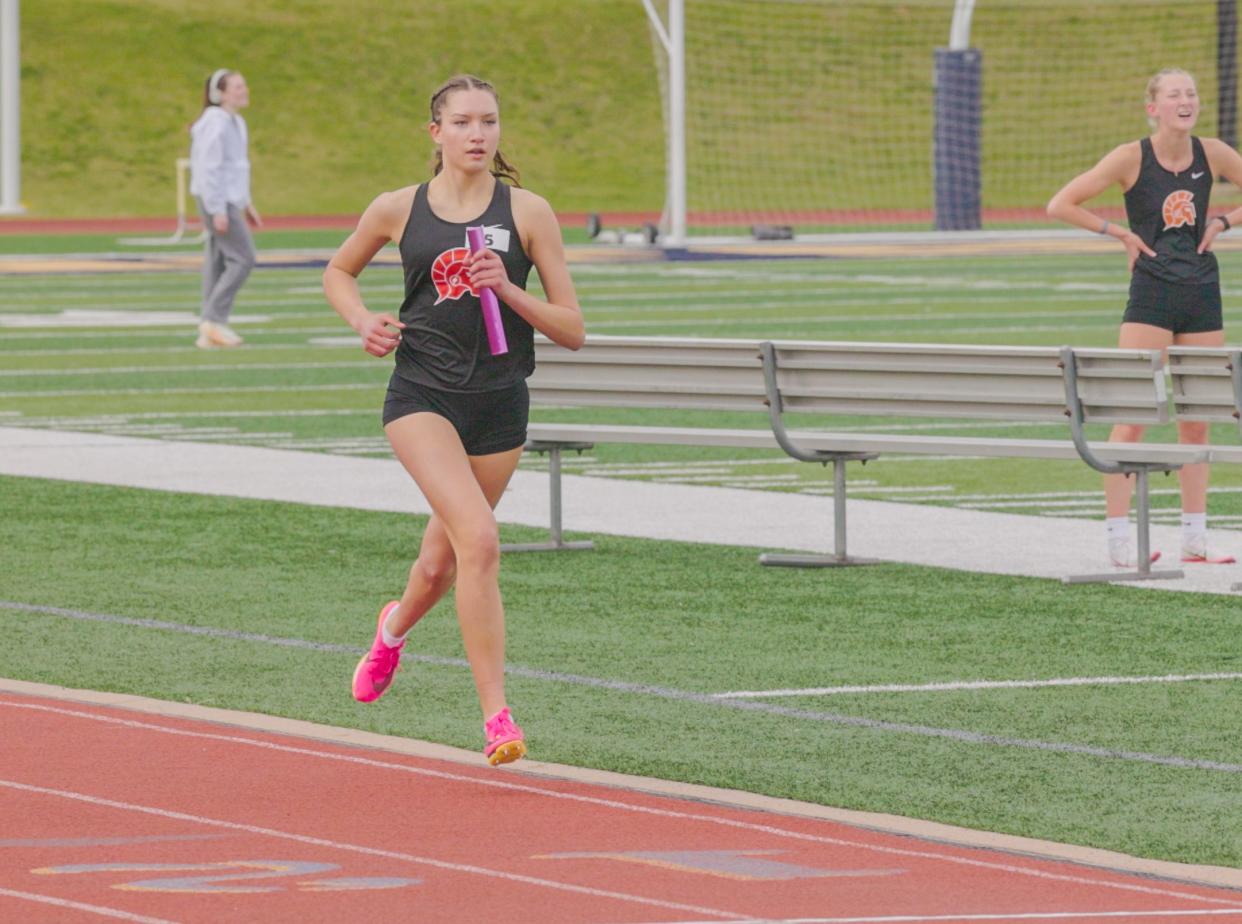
(1178,209)
(450,276)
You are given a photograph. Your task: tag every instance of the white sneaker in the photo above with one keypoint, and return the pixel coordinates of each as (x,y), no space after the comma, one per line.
(1196,550)
(1121,552)
(212,335)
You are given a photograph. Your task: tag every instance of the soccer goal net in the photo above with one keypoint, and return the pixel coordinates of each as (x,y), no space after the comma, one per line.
(823,114)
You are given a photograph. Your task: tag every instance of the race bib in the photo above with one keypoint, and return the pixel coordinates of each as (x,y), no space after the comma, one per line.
(496,238)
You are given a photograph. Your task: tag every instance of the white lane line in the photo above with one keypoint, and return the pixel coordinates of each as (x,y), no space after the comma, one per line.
(78,320)
(1014,916)
(687,465)
(351,340)
(675,478)
(927,854)
(91,909)
(153,392)
(742,705)
(54,333)
(934,490)
(957,685)
(191,304)
(368,851)
(121,419)
(203,367)
(1007,505)
(366,290)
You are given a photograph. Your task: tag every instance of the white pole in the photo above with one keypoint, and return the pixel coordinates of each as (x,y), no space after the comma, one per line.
(657,24)
(959,30)
(10,114)
(677,122)
(673,40)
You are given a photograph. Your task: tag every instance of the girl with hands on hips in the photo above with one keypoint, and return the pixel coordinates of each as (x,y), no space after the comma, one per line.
(1175,295)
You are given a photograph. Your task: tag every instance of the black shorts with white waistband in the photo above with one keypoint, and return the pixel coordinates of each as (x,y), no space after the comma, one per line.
(487,421)
(1190,308)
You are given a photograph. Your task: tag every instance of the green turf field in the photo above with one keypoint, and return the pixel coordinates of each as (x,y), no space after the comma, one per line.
(616,655)
(303,383)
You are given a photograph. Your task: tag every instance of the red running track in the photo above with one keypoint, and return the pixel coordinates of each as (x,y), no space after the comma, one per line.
(112,814)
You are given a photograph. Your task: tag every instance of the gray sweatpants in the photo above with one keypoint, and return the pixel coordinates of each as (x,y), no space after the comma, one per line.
(227,260)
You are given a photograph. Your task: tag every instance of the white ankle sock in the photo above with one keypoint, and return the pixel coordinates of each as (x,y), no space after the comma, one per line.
(392,641)
(1117,528)
(1194,527)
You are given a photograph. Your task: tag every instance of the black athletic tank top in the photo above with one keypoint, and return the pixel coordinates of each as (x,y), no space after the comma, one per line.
(1169,212)
(444,344)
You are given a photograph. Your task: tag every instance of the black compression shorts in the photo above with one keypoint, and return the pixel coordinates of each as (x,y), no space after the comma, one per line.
(486,421)
(1192,308)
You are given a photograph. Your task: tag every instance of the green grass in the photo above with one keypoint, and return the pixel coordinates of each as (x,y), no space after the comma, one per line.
(339,95)
(689,620)
(694,619)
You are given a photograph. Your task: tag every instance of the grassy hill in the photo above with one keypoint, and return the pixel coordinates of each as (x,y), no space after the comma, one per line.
(792,104)
(339,96)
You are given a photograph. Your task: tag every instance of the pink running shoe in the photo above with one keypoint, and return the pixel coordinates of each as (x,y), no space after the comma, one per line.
(1202,556)
(374,672)
(504,739)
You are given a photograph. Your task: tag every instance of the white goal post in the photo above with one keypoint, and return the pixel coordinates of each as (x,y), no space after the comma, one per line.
(10,111)
(673,41)
(912,115)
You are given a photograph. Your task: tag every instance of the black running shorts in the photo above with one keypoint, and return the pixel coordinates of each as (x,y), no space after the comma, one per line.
(1192,308)
(486,421)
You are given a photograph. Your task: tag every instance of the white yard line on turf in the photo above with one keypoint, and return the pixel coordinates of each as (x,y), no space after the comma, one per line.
(960,685)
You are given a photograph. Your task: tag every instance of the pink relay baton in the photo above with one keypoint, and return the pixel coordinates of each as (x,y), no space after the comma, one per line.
(491,308)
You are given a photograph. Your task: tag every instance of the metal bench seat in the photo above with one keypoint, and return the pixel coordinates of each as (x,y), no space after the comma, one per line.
(782,379)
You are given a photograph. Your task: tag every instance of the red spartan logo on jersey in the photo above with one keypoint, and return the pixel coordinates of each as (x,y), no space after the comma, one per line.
(449,273)
(1178,209)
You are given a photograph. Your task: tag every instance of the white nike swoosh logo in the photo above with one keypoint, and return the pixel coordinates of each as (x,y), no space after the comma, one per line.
(1195,176)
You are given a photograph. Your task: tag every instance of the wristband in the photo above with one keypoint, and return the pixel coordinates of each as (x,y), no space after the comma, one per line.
(1224,221)
(1103,228)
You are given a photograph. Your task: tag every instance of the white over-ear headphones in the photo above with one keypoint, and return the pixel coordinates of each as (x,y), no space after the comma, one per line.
(214,93)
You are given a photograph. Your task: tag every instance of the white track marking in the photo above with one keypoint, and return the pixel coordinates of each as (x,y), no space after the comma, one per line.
(492,782)
(120,419)
(90,909)
(205,367)
(673,477)
(958,685)
(368,851)
(1000,918)
(221,390)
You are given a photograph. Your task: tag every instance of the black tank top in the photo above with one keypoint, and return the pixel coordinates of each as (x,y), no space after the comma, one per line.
(444,344)
(1169,212)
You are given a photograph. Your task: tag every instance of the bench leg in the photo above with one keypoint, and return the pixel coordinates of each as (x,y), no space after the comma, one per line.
(1143,529)
(556,541)
(839,556)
